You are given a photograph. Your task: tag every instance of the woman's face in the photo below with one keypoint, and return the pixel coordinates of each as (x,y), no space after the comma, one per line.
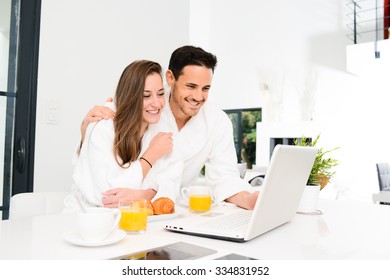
(154,99)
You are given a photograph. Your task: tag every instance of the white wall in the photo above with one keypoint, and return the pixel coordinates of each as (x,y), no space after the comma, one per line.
(295,48)
(84,47)
(279,43)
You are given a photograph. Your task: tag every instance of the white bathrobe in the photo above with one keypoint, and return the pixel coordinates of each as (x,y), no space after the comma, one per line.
(206,139)
(96,169)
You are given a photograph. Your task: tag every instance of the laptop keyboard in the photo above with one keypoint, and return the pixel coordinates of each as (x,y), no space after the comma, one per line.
(230,221)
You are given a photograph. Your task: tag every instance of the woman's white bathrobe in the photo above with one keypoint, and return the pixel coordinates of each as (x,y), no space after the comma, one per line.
(96,169)
(206,139)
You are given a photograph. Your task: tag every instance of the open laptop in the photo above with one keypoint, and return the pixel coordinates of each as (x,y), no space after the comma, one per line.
(286,177)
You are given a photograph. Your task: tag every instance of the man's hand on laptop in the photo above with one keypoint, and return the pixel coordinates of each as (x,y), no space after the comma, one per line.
(244,200)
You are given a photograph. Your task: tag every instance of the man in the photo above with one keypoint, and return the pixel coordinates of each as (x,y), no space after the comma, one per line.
(203,133)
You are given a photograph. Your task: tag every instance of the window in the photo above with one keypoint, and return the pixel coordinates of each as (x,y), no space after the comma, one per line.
(244,130)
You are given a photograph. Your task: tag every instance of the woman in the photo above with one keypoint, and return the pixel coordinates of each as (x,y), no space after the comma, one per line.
(118,153)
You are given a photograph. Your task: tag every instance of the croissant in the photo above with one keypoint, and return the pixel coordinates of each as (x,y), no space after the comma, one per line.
(163,205)
(149,208)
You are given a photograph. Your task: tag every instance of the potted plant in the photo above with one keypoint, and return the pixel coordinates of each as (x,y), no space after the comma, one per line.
(321,173)
(322,170)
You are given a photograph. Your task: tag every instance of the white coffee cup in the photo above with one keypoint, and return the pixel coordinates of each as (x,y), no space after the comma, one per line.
(97,223)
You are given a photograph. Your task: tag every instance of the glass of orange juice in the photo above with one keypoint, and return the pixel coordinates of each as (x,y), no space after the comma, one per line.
(199,198)
(134,215)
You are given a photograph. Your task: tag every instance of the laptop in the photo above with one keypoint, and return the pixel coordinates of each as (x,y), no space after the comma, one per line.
(285,179)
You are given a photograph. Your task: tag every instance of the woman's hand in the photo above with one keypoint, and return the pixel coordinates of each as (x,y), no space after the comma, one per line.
(161,145)
(112,197)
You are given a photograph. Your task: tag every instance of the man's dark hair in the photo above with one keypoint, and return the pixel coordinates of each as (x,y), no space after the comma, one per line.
(190,55)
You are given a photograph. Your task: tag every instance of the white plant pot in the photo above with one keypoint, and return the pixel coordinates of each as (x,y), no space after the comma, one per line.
(309,199)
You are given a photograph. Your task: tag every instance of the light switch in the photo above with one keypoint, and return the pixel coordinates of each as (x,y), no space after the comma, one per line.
(52,113)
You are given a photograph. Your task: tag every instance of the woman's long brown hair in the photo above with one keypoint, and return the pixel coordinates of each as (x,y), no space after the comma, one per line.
(129,98)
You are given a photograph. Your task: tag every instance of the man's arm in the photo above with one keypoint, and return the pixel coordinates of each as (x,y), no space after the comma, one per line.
(95,114)
(222,170)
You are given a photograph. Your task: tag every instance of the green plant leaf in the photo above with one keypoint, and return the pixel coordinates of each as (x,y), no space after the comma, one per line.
(322,166)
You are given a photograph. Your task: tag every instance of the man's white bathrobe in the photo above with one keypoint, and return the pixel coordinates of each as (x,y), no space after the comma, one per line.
(206,139)
(96,169)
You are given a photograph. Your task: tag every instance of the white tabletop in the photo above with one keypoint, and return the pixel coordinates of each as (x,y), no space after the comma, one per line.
(345,230)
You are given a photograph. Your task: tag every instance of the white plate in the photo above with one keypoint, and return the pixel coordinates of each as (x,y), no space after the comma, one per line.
(74,238)
(156,218)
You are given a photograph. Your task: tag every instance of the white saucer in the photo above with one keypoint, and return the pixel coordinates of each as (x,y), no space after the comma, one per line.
(74,238)
(155,218)
(317,212)
(183,202)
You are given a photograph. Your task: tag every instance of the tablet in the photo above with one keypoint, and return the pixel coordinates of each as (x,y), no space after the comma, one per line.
(174,251)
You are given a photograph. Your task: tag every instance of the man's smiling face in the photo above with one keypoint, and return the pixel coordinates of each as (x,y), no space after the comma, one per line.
(190,91)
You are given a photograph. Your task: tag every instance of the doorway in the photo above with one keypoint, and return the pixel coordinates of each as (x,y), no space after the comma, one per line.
(19,38)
